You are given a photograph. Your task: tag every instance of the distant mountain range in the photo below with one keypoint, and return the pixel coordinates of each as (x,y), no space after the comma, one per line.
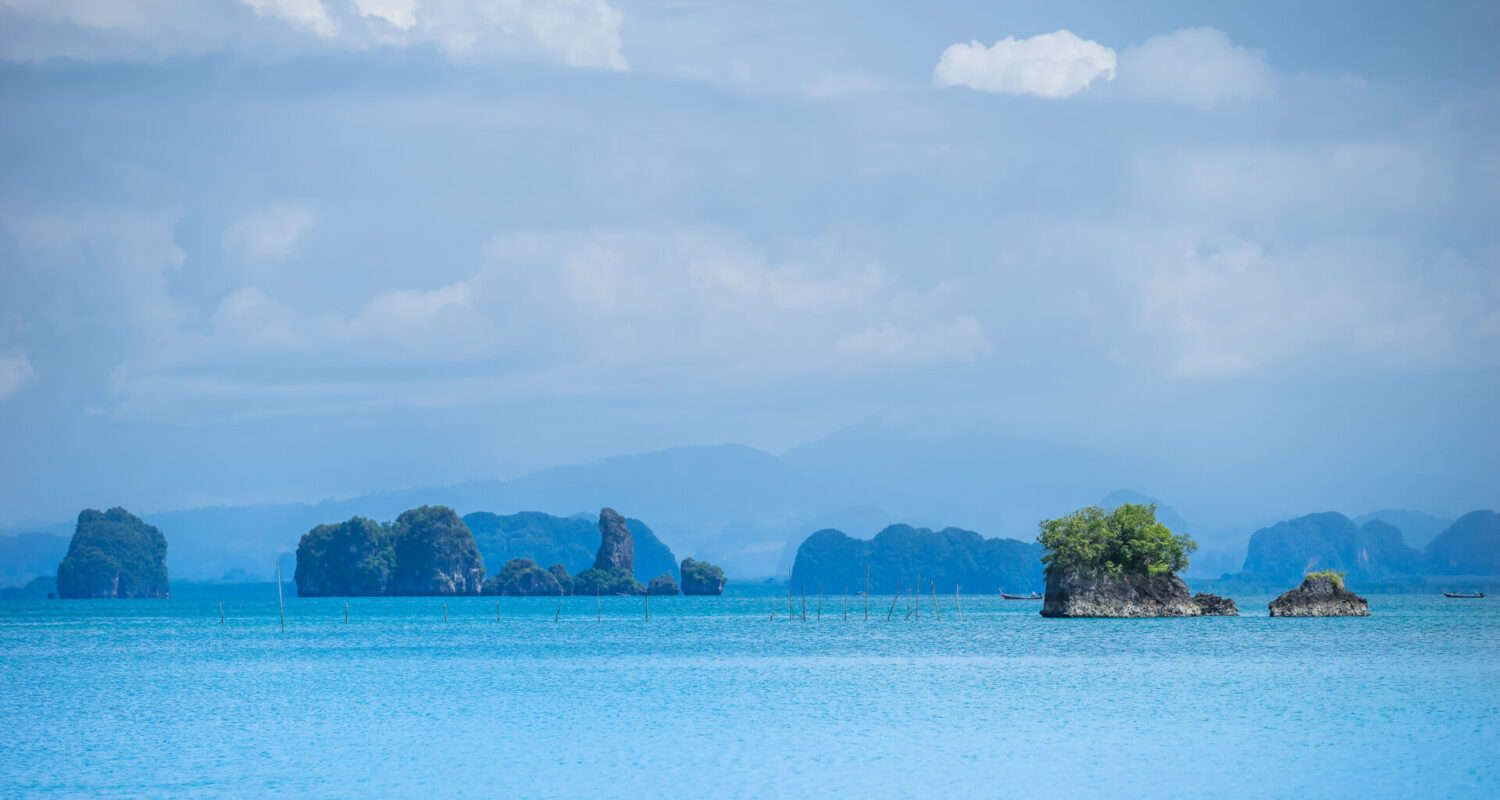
(1372,551)
(736,506)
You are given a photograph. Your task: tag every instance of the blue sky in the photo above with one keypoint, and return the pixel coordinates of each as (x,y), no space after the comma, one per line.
(288,249)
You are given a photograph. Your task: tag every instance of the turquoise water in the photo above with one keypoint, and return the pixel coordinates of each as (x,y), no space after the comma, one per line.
(710,698)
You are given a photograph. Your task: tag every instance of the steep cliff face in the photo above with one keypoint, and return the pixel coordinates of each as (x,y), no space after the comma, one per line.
(701,578)
(616,545)
(1471,546)
(1076,594)
(113,554)
(435,554)
(1320,596)
(426,551)
(1330,540)
(349,559)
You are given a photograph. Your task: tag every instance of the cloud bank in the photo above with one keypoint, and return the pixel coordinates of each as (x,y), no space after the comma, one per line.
(1196,67)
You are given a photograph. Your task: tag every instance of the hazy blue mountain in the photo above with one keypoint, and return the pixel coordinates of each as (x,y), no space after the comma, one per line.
(31,554)
(1165,514)
(1329,540)
(1471,546)
(1417,527)
(571,541)
(946,558)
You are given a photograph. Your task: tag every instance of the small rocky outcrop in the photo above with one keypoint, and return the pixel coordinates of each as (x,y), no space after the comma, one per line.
(701,578)
(662,584)
(560,573)
(1320,595)
(521,577)
(435,554)
(616,546)
(1078,594)
(113,554)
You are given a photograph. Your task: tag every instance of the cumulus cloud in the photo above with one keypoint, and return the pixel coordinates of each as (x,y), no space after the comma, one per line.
(1196,67)
(1057,64)
(15,372)
(578,33)
(269,233)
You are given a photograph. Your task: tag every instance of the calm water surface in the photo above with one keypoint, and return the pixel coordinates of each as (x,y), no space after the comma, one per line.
(711,698)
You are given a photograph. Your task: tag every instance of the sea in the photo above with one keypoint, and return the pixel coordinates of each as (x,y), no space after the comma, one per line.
(712,697)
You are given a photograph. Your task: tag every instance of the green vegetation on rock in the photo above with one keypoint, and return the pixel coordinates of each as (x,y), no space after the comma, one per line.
(426,551)
(570,541)
(1335,577)
(701,578)
(1126,541)
(521,577)
(945,559)
(113,554)
(607,582)
(662,584)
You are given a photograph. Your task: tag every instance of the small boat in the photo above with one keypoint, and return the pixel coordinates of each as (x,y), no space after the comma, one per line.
(1032,596)
(1474,596)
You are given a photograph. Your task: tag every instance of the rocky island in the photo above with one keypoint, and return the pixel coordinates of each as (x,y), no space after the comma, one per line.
(1120,563)
(521,577)
(947,559)
(701,578)
(113,554)
(1322,594)
(662,584)
(571,541)
(426,551)
(614,564)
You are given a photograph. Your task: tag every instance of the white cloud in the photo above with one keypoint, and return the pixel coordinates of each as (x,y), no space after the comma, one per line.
(15,372)
(1197,67)
(269,233)
(309,14)
(578,33)
(1055,64)
(400,13)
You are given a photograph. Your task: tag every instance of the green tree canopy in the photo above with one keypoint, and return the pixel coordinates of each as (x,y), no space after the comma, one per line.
(1126,541)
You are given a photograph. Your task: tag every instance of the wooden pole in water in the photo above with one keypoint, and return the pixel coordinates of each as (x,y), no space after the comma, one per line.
(558,613)
(497,610)
(958,603)
(773,608)
(280,604)
(893,602)
(867,591)
(937,608)
(908,604)
(346,613)
(221,612)
(445,612)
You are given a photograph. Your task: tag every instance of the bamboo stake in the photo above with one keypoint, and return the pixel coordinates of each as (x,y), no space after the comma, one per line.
(221,612)
(867,591)
(346,613)
(893,601)
(958,603)
(445,612)
(497,610)
(280,604)
(908,604)
(558,613)
(773,608)
(935,606)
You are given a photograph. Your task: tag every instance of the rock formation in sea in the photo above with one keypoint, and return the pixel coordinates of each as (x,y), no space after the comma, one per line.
(662,584)
(1471,546)
(1120,563)
(113,554)
(521,577)
(1076,594)
(571,541)
(950,558)
(1322,594)
(701,578)
(612,570)
(426,551)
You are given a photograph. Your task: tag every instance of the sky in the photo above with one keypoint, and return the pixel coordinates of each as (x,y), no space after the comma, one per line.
(270,250)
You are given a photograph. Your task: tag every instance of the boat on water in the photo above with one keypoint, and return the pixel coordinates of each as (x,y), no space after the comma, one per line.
(1462,596)
(1032,596)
